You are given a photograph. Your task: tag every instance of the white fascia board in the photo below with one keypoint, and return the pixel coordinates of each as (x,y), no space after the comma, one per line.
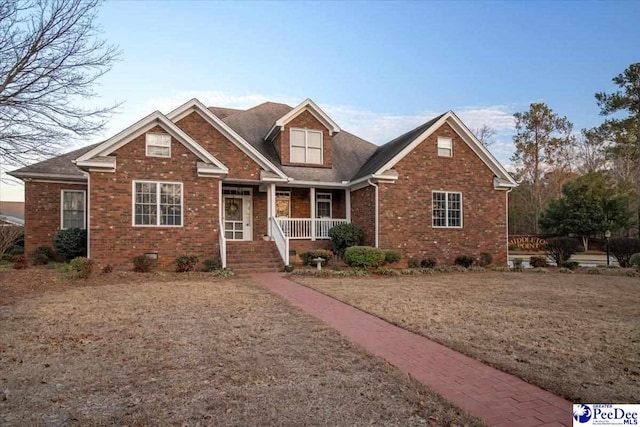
(109,163)
(39,175)
(197,106)
(500,184)
(313,108)
(316,184)
(374,177)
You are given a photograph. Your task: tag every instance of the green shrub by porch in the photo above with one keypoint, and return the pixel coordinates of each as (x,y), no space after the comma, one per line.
(71,243)
(308,257)
(364,256)
(344,236)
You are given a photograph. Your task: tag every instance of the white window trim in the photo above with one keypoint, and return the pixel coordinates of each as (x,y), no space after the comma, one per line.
(330,200)
(162,144)
(306,145)
(283,193)
(84,217)
(158,213)
(446,193)
(451,148)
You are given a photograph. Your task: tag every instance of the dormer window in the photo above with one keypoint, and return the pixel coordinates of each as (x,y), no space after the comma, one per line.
(445,146)
(158,145)
(305,146)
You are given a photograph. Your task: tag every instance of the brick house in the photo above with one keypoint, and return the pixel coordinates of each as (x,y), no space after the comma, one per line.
(275,180)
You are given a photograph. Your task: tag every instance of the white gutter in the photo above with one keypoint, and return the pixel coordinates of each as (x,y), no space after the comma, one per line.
(507,214)
(368,178)
(376,210)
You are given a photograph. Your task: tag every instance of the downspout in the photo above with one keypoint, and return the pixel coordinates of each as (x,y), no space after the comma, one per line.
(376,209)
(507,222)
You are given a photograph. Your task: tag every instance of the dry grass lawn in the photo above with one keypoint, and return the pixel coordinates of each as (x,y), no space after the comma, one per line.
(575,335)
(165,351)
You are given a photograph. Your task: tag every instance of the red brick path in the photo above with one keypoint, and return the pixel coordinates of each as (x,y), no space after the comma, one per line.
(499,399)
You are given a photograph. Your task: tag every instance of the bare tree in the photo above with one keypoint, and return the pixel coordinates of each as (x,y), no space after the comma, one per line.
(50,57)
(485,135)
(591,148)
(9,234)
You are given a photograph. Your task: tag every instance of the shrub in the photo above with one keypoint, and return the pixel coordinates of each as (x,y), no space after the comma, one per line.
(517,263)
(623,248)
(142,264)
(465,261)
(593,271)
(634,261)
(288,268)
(565,270)
(571,265)
(383,271)
(186,263)
(391,256)
(364,256)
(538,261)
(224,273)
(42,255)
(71,243)
(428,262)
(485,259)
(344,236)
(308,257)
(210,265)
(107,269)
(82,267)
(413,263)
(409,271)
(560,249)
(16,250)
(20,262)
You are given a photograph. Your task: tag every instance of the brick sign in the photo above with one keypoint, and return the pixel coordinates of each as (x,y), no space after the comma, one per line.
(527,243)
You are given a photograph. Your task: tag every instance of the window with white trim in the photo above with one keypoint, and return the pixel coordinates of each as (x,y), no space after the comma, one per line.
(157,203)
(445,146)
(447,209)
(305,146)
(158,145)
(323,205)
(73,209)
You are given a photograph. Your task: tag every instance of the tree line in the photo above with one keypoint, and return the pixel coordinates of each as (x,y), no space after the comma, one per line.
(579,183)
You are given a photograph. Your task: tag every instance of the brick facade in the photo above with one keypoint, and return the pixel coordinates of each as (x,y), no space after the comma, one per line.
(42,211)
(114,239)
(405,211)
(304,120)
(363,213)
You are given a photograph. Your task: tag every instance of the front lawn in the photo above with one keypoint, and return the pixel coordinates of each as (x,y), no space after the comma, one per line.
(575,335)
(167,350)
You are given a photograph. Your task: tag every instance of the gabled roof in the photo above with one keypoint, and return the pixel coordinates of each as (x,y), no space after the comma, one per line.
(61,167)
(306,105)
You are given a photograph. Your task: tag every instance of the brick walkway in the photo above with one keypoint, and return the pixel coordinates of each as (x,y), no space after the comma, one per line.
(499,399)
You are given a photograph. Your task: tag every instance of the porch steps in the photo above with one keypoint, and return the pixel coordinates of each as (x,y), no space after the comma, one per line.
(258,256)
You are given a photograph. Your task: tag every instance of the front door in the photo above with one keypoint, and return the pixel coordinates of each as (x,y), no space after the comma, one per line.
(237,217)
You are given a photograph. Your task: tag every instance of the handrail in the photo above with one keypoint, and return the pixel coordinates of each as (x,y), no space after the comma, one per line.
(309,228)
(223,246)
(280,239)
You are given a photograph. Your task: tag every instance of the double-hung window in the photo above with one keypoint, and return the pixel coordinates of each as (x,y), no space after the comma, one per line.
(157,203)
(445,146)
(447,209)
(323,205)
(73,209)
(158,145)
(306,146)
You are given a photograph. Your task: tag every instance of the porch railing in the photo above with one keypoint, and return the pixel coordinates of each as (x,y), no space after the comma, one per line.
(223,245)
(280,239)
(308,228)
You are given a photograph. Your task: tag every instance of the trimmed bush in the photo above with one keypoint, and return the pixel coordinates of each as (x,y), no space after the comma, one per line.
(413,263)
(538,261)
(308,257)
(634,261)
(82,267)
(142,264)
(344,236)
(363,256)
(560,249)
(517,263)
(71,243)
(485,259)
(465,261)
(391,256)
(42,255)
(212,265)
(623,248)
(571,265)
(428,262)
(186,263)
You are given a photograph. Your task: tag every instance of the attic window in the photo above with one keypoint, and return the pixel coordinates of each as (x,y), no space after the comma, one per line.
(306,146)
(158,145)
(445,146)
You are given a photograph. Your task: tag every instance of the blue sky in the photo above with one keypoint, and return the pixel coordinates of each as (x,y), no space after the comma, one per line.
(378,68)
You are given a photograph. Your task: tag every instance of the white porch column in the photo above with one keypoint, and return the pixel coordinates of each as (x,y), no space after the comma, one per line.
(271,205)
(347,204)
(312,196)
